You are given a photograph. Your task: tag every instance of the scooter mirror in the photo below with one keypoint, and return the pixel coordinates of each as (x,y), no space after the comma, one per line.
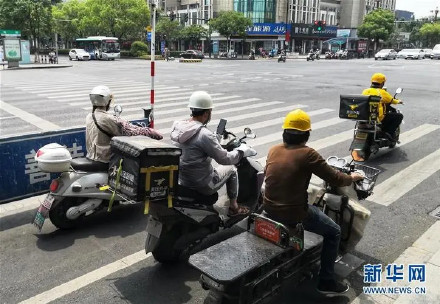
(399,90)
(248,133)
(118,110)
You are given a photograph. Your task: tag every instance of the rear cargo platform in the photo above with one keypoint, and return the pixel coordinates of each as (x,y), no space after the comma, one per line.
(233,258)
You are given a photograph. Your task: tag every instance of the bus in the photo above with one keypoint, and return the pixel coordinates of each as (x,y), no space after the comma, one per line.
(100,47)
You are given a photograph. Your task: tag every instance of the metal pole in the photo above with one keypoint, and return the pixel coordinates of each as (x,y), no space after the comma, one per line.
(153,47)
(56,46)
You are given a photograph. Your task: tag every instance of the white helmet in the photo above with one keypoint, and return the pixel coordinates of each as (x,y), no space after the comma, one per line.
(100,96)
(200,100)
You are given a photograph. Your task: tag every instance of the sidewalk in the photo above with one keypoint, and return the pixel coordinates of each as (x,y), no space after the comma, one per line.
(36,66)
(426,250)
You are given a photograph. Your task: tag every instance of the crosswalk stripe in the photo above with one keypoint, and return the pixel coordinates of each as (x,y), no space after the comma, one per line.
(404,181)
(178,92)
(113,87)
(277,137)
(158,104)
(185,109)
(321,143)
(278,120)
(405,138)
(254,106)
(81,93)
(63,85)
(235,118)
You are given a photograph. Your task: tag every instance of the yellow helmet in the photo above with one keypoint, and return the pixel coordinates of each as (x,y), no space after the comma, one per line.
(378,78)
(297,120)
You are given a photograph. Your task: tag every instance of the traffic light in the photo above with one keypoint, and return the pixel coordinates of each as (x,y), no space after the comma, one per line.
(319,25)
(157,15)
(172,16)
(185,17)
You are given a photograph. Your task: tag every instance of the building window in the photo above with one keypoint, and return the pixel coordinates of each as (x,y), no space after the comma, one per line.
(259,11)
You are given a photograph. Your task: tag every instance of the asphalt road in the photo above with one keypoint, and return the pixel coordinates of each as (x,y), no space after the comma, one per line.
(247,93)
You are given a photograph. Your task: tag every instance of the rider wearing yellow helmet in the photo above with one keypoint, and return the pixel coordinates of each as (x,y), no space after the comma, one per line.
(390,120)
(289,167)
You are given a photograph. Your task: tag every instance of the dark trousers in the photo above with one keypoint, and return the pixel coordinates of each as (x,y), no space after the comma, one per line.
(391,122)
(319,223)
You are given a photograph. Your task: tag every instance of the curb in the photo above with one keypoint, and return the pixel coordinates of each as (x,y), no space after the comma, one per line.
(39,67)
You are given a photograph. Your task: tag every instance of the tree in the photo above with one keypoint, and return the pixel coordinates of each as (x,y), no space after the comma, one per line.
(67,19)
(32,17)
(231,23)
(124,19)
(170,30)
(430,34)
(193,33)
(378,24)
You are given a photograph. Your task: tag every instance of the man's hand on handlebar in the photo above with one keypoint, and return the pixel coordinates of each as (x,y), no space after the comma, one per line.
(356,176)
(247,151)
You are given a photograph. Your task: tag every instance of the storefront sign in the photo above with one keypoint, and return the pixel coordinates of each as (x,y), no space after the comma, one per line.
(273,29)
(12,49)
(306,30)
(10,33)
(343,33)
(25,52)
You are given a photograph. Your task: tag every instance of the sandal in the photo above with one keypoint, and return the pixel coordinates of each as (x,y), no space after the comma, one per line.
(240,211)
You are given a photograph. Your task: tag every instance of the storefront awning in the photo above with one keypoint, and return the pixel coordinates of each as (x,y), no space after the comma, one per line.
(340,40)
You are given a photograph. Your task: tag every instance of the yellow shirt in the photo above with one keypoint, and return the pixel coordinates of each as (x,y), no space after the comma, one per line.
(385,98)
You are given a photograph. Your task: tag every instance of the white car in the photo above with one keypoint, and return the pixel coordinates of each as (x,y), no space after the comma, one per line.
(415,54)
(428,53)
(403,53)
(436,52)
(78,54)
(386,54)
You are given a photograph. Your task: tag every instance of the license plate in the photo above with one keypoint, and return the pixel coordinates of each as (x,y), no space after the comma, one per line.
(154,227)
(43,211)
(361,135)
(267,230)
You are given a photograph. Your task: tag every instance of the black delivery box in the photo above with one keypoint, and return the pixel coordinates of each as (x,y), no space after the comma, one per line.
(141,156)
(359,107)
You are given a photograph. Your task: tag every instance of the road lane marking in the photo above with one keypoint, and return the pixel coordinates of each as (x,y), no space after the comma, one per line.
(271,122)
(244,108)
(80,96)
(234,118)
(28,117)
(219,104)
(404,181)
(278,136)
(406,138)
(87,279)
(112,86)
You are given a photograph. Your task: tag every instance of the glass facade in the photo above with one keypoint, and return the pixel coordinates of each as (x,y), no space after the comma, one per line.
(259,11)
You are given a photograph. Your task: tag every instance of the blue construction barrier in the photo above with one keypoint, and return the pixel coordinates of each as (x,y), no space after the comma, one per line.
(20,176)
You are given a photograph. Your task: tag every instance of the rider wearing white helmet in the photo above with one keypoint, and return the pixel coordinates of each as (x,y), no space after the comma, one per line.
(199,146)
(102,126)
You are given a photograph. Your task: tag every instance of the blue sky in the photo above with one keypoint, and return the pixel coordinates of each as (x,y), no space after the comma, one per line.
(421,8)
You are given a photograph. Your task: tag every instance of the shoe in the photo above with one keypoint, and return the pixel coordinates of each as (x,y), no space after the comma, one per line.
(240,211)
(330,287)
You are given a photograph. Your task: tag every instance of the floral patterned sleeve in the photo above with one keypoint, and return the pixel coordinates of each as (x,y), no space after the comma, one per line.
(129,129)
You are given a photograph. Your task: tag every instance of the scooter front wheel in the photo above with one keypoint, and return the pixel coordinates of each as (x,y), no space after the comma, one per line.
(57,213)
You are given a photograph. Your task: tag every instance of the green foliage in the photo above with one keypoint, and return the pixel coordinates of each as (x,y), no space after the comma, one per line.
(169,28)
(193,32)
(139,48)
(231,23)
(378,24)
(32,18)
(430,34)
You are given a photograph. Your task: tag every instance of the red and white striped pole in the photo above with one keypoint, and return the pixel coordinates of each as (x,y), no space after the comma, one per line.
(153,47)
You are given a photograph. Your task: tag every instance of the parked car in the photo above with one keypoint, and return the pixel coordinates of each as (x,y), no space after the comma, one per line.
(78,54)
(415,54)
(436,52)
(428,53)
(385,54)
(192,54)
(403,53)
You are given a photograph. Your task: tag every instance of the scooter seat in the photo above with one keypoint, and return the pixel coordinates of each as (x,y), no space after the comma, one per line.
(192,196)
(88,165)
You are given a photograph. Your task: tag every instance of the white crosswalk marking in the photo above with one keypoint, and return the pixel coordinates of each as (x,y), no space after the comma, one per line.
(237,117)
(390,190)
(405,138)
(86,93)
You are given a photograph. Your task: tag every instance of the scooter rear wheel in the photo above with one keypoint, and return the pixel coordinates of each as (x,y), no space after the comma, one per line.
(57,213)
(164,251)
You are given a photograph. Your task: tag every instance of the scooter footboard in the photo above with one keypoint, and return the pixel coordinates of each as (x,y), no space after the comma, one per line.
(247,268)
